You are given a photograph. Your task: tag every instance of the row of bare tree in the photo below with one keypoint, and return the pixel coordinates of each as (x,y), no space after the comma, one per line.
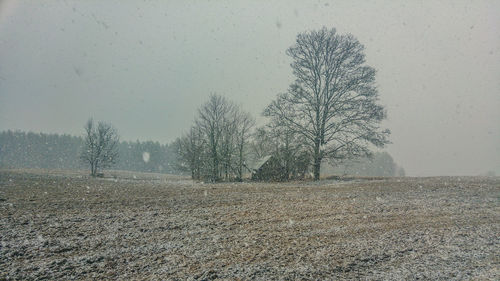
(215,147)
(330,112)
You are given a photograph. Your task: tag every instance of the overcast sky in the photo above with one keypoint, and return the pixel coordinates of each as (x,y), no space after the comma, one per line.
(147,66)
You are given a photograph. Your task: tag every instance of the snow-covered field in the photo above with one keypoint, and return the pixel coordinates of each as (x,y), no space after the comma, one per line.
(136,226)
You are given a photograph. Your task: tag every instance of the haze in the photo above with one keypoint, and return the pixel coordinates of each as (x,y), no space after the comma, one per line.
(147,66)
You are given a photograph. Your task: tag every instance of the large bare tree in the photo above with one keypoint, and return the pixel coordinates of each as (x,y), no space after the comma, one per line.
(333,101)
(101,146)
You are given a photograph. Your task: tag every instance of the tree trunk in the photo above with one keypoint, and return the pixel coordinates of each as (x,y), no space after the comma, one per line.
(317,161)
(287,156)
(240,164)
(215,171)
(198,172)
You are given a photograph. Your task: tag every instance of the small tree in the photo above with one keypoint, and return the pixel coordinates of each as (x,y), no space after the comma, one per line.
(216,146)
(244,123)
(212,121)
(190,152)
(286,147)
(101,146)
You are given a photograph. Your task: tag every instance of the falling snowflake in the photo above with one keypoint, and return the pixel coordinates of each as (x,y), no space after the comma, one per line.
(145,156)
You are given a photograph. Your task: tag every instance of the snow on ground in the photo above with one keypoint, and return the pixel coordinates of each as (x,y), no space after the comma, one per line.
(75,227)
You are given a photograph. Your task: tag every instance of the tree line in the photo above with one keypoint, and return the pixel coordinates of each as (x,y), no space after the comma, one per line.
(54,151)
(380,164)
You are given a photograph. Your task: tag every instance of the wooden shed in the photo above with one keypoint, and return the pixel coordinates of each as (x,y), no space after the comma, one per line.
(268,168)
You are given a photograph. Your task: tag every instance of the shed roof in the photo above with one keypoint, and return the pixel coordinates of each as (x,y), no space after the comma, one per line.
(258,164)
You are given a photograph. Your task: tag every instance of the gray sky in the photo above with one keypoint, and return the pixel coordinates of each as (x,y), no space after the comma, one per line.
(147,66)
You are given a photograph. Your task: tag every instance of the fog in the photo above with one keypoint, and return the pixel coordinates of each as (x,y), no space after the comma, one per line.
(147,66)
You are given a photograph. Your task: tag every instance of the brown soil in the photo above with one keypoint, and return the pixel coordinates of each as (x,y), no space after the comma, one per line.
(69,226)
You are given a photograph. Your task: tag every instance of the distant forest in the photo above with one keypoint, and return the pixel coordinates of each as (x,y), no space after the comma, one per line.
(53,151)
(380,165)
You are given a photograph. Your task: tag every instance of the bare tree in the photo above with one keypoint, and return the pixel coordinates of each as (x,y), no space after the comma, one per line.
(262,144)
(333,101)
(216,146)
(244,123)
(288,145)
(101,146)
(190,151)
(227,146)
(213,119)
(284,145)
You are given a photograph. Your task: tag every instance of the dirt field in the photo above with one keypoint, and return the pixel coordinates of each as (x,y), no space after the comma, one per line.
(72,227)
